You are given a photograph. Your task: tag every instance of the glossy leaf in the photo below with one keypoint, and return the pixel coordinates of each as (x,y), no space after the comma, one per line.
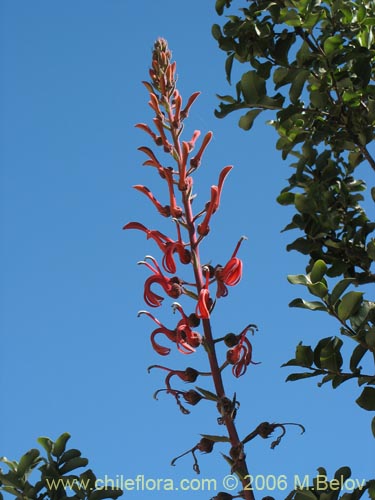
(253,87)
(305,304)
(349,305)
(318,271)
(60,444)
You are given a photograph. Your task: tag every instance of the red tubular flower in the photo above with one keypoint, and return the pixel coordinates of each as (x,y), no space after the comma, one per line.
(157,139)
(153,161)
(187,375)
(204,301)
(165,211)
(164,141)
(166,245)
(240,356)
(196,161)
(175,211)
(171,286)
(204,228)
(222,177)
(230,274)
(184,331)
(185,111)
(173,335)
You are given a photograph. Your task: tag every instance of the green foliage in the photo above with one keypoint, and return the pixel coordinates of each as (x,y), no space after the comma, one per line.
(313,63)
(54,482)
(323,488)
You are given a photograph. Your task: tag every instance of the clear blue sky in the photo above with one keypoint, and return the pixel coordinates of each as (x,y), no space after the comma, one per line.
(73,353)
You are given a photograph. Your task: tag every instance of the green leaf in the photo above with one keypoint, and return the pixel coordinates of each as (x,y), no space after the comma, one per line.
(356,357)
(228,66)
(371,249)
(318,289)
(318,271)
(373,193)
(331,44)
(305,304)
(286,198)
(73,464)
(253,87)
(343,473)
(46,443)
(327,354)
(349,305)
(216,439)
(27,461)
(207,394)
(339,289)
(297,85)
(105,493)
(60,444)
(373,426)
(68,455)
(246,121)
(367,399)
(304,355)
(216,31)
(304,495)
(299,376)
(220,4)
(298,279)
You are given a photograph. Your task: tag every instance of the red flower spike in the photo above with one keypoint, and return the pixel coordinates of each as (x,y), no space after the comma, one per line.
(175,211)
(204,228)
(230,274)
(240,356)
(204,301)
(164,211)
(171,286)
(185,111)
(196,161)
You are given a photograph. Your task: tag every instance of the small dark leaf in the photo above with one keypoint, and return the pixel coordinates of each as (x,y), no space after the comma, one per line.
(356,357)
(105,493)
(299,376)
(367,399)
(373,426)
(73,464)
(246,121)
(216,439)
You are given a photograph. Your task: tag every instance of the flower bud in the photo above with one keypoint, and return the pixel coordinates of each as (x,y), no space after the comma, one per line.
(192,397)
(205,445)
(194,321)
(222,495)
(191,375)
(231,339)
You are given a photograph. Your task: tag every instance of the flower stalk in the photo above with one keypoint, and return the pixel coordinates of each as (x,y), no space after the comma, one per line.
(184,249)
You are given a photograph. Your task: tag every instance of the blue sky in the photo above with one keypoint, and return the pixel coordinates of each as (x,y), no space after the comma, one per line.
(74,355)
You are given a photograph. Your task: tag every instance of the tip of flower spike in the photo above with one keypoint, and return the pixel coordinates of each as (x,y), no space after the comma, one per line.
(141,312)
